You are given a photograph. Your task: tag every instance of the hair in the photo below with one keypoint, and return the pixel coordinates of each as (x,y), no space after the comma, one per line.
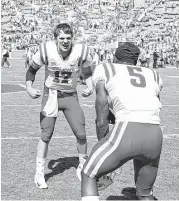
(66,28)
(125,61)
(127,53)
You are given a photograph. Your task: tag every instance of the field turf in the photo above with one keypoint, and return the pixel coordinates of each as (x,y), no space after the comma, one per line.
(20,133)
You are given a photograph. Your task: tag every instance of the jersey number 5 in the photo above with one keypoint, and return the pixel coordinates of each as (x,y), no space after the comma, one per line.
(139,79)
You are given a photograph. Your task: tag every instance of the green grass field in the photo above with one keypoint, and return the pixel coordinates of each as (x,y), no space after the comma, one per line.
(20,132)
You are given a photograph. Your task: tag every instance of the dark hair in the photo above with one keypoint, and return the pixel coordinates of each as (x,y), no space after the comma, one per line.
(128,52)
(66,28)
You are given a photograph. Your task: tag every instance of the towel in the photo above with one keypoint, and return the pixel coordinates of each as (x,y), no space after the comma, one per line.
(51,107)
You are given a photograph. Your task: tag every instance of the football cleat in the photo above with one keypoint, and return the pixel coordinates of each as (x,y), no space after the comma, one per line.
(106,180)
(40,181)
(103,182)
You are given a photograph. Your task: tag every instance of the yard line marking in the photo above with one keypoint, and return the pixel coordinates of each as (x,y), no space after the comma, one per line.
(167,91)
(170,105)
(22,85)
(172,76)
(84,105)
(14,92)
(21,105)
(20,81)
(166,136)
(34,138)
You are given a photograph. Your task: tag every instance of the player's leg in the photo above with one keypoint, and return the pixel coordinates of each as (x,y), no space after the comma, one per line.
(148,62)
(107,155)
(89,189)
(75,117)
(27,63)
(7,62)
(2,62)
(145,169)
(148,174)
(177,64)
(47,127)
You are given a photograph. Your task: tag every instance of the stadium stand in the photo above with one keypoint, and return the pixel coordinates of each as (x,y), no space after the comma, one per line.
(152,26)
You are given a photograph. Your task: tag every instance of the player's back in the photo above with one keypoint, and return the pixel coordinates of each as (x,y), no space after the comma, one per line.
(133,92)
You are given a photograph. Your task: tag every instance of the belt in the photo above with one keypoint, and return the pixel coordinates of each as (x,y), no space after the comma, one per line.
(61,94)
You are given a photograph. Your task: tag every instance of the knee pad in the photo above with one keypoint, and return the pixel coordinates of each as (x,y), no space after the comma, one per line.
(81,136)
(46,136)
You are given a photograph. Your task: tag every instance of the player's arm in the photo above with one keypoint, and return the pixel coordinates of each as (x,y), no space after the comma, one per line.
(34,66)
(87,66)
(30,78)
(102,110)
(160,83)
(87,72)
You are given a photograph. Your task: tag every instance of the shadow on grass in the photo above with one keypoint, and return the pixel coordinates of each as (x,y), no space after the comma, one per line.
(60,165)
(128,193)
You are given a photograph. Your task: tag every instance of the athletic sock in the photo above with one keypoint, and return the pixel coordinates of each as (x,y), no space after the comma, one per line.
(90,198)
(82,158)
(40,165)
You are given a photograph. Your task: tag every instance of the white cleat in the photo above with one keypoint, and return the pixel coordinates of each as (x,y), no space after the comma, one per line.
(40,181)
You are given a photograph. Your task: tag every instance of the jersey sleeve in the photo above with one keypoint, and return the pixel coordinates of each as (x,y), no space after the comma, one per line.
(99,74)
(87,57)
(39,58)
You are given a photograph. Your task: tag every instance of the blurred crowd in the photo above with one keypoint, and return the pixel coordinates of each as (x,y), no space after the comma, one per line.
(153,27)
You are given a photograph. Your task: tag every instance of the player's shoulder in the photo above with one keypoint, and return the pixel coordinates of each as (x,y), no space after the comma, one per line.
(100,66)
(47,44)
(77,48)
(50,44)
(98,70)
(80,46)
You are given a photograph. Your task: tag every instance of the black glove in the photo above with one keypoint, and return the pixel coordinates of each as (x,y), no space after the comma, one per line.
(111,118)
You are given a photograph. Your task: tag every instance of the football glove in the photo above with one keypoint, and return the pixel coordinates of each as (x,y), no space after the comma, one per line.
(111,118)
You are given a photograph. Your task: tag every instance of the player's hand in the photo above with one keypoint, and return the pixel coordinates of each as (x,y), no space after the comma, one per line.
(34,93)
(86,92)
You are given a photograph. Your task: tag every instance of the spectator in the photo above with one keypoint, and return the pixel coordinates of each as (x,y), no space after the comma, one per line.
(142,58)
(5,56)
(177,60)
(28,57)
(155,57)
(147,56)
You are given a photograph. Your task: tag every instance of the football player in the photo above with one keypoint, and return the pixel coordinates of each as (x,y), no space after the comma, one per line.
(63,62)
(134,98)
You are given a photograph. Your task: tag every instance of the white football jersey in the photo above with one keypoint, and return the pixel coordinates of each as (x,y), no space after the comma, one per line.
(133,91)
(62,74)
